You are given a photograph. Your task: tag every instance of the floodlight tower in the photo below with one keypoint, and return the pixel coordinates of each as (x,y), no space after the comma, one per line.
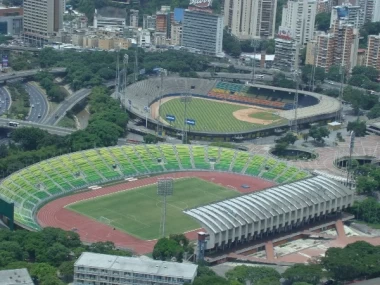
(339,115)
(254,44)
(163,72)
(185,98)
(312,78)
(352,144)
(117,80)
(294,124)
(164,189)
(136,69)
(125,79)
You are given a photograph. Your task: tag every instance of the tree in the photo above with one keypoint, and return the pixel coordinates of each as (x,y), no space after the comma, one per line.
(359,127)
(370,72)
(305,136)
(150,139)
(167,249)
(254,274)
(231,44)
(322,21)
(107,132)
(319,133)
(359,80)
(311,273)
(334,73)
(374,112)
(210,280)
(29,138)
(307,74)
(280,80)
(66,270)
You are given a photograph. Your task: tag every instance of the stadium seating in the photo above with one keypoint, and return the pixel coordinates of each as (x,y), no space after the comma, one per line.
(33,185)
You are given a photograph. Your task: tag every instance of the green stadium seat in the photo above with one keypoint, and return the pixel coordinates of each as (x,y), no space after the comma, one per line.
(100,165)
(213,153)
(199,157)
(89,172)
(290,172)
(184,156)
(274,171)
(150,162)
(170,157)
(135,160)
(224,162)
(240,161)
(124,163)
(255,165)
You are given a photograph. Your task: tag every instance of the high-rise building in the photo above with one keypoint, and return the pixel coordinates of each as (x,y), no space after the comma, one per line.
(164,18)
(11,21)
(42,20)
(248,19)
(338,47)
(351,14)
(134,18)
(285,50)
(376,11)
(203,31)
(176,34)
(299,17)
(149,22)
(373,51)
(109,17)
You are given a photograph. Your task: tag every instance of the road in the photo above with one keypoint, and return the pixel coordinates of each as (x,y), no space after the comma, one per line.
(50,129)
(27,73)
(5,100)
(38,104)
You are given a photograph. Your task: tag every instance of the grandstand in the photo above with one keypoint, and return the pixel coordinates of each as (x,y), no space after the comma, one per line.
(274,210)
(58,176)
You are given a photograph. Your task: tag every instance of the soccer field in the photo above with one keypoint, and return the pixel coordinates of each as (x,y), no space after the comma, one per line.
(138,211)
(209,115)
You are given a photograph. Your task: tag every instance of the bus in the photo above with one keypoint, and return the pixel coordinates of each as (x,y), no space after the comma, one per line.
(13,124)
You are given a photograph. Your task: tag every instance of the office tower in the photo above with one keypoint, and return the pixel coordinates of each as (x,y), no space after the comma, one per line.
(42,20)
(299,17)
(373,51)
(203,31)
(248,19)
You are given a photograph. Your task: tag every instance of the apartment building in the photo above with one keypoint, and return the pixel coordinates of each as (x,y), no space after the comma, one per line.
(373,51)
(311,51)
(42,20)
(176,34)
(203,31)
(248,19)
(285,52)
(134,18)
(338,47)
(102,269)
(11,20)
(299,17)
(351,14)
(149,22)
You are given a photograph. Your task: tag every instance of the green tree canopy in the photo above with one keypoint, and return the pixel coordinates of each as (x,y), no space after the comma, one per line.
(322,21)
(310,273)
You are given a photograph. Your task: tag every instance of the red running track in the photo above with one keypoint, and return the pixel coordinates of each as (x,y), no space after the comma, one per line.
(54,214)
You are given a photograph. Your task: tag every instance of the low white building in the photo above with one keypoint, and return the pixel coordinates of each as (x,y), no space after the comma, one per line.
(103,269)
(15,277)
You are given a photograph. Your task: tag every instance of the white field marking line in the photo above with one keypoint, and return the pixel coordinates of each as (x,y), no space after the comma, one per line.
(125,216)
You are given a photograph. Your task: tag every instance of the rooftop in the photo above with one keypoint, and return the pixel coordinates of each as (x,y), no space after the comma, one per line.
(15,277)
(137,264)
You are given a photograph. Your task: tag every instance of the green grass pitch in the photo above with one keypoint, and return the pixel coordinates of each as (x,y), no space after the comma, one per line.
(138,211)
(209,115)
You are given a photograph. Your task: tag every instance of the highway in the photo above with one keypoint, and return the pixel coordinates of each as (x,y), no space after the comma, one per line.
(5,100)
(66,105)
(38,104)
(27,73)
(51,129)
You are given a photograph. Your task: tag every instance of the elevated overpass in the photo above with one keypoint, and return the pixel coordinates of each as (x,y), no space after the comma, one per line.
(27,73)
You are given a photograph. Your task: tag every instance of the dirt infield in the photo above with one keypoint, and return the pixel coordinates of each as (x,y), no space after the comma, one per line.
(54,214)
(244,115)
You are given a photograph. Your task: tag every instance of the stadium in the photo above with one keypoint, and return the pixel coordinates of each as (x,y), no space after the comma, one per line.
(222,110)
(110,194)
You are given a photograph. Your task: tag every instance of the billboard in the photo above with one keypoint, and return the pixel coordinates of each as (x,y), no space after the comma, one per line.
(7,210)
(5,61)
(285,33)
(201,3)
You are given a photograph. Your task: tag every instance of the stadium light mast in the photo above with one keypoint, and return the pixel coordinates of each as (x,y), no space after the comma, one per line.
(136,71)
(185,98)
(164,189)
(163,72)
(339,115)
(314,67)
(294,124)
(254,44)
(352,144)
(117,80)
(125,79)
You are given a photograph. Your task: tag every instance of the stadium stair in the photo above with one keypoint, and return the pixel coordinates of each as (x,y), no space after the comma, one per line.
(241,162)
(225,158)
(233,161)
(135,160)
(171,159)
(199,156)
(125,164)
(183,153)
(178,158)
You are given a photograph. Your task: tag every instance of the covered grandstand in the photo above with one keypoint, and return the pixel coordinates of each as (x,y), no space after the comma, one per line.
(144,93)
(274,210)
(47,180)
